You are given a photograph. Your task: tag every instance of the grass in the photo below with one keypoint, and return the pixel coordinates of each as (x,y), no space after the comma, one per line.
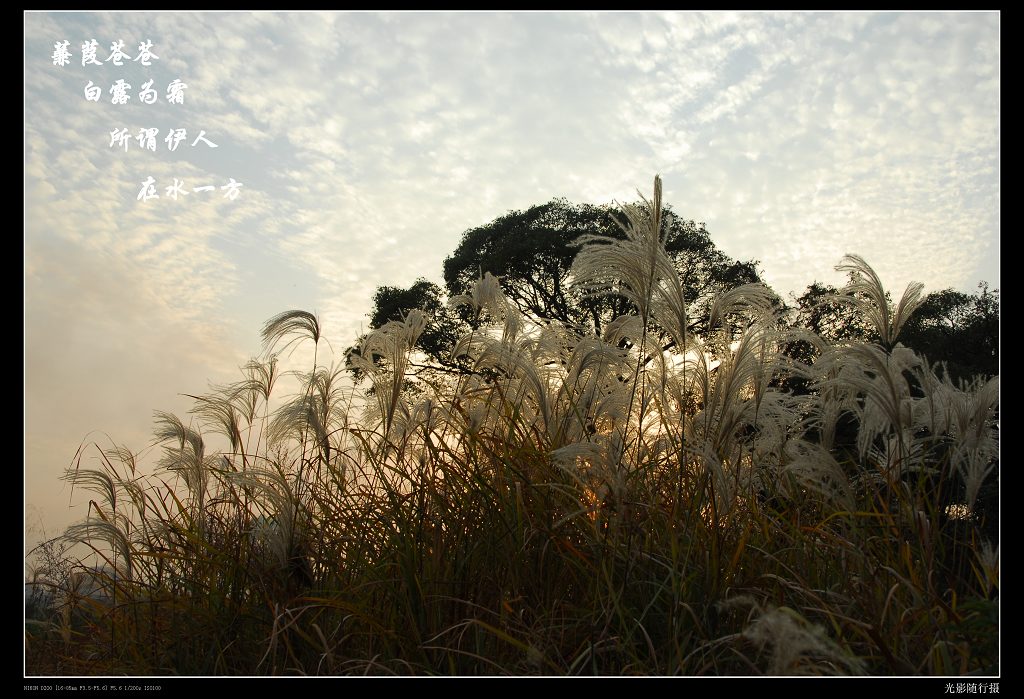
(569,505)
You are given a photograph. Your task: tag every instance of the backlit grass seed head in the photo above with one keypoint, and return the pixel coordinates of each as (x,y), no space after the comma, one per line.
(299,325)
(865,293)
(798,647)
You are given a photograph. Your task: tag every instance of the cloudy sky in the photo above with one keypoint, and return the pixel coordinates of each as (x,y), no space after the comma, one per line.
(366,144)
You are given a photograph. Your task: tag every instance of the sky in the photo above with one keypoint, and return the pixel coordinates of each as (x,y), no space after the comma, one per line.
(365,144)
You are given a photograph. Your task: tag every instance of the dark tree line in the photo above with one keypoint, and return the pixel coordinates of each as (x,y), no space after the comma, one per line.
(532,253)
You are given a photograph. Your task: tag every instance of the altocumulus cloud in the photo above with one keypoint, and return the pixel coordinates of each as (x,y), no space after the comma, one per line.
(367,143)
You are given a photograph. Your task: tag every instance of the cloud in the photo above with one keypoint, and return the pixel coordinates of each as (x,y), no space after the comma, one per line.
(368,143)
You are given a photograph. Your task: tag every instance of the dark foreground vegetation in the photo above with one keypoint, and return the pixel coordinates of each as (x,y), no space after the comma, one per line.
(626,455)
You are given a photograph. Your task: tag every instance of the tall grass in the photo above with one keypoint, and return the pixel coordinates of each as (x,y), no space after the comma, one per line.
(647,502)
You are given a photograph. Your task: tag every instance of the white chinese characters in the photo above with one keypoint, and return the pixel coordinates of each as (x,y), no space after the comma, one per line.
(147,139)
(62,56)
(120,92)
(178,189)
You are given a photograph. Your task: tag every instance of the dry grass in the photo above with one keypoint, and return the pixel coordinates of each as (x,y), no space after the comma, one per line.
(570,505)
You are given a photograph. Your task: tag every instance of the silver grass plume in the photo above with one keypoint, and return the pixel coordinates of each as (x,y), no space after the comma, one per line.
(865,292)
(965,416)
(870,383)
(185,456)
(297,324)
(392,342)
(796,646)
(632,267)
(487,300)
(318,411)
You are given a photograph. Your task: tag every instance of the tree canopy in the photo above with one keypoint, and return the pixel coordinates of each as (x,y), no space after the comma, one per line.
(961,330)
(532,253)
(958,330)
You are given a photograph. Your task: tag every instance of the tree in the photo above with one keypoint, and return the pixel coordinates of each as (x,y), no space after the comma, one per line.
(532,252)
(393,303)
(957,329)
(960,330)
